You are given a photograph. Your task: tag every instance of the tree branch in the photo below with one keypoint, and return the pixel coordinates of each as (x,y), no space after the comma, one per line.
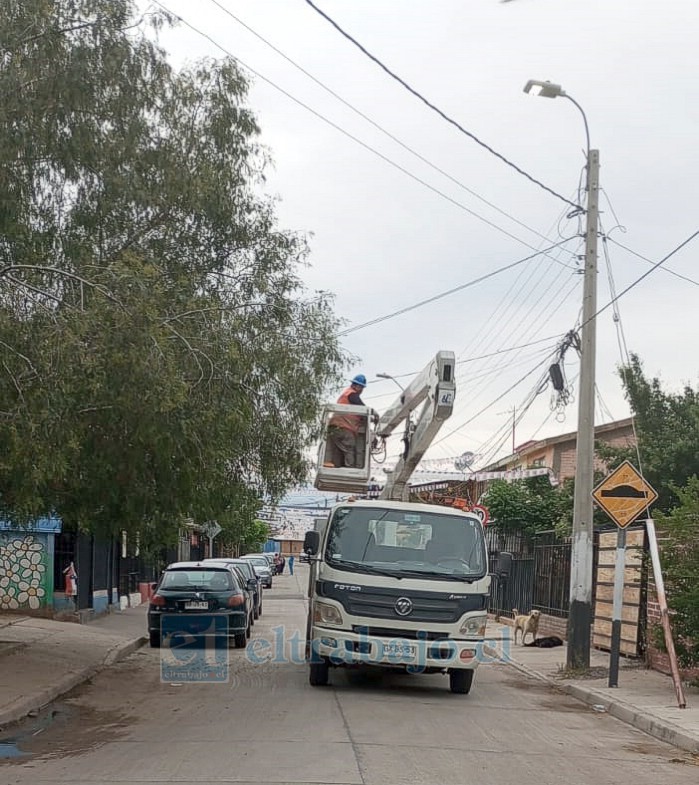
(73,276)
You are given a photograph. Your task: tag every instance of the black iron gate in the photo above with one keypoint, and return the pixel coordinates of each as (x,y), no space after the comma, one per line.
(516,590)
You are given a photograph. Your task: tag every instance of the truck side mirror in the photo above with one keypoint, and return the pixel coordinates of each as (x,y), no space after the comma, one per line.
(504,565)
(311,543)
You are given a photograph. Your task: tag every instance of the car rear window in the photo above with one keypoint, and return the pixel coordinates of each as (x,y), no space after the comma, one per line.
(245,568)
(201,580)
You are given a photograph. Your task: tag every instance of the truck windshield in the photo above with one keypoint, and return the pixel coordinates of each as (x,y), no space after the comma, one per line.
(399,541)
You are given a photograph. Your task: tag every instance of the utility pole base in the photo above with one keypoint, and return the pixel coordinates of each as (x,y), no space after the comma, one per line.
(579,621)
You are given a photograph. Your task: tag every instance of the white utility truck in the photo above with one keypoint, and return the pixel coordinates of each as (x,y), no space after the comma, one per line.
(396,584)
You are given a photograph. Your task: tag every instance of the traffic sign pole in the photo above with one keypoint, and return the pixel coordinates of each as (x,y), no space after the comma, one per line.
(619,569)
(211,529)
(623,495)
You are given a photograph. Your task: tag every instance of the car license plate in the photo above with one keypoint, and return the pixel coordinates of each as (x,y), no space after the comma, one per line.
(398,649)
(196,606)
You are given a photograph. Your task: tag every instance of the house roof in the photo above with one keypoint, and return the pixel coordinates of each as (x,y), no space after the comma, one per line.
(531,446)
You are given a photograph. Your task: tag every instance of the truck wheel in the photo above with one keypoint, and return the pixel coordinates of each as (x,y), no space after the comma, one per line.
(318,673)
(460,681)
(154,640)
(240,639)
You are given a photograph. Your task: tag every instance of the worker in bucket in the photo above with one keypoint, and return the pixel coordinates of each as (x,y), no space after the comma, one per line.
(344,428)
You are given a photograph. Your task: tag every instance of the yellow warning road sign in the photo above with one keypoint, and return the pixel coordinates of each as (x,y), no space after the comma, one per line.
(624,494)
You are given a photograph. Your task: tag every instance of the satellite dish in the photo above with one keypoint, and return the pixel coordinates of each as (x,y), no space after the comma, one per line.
(464,461)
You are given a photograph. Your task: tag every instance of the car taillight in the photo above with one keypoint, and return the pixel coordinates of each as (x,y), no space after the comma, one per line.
(156,599)
(236,601)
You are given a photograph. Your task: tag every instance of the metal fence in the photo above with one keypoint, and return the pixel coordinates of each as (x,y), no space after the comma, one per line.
(515,591)
(540,575)
(551,585)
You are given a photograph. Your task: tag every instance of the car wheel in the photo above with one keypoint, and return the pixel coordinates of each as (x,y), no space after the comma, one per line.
(460,681)
(259,612)
(256,612)
(154,640)
(248,632)
(240,639)
(318,673)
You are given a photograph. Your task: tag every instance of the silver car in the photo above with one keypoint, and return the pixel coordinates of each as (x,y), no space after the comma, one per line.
(261,566)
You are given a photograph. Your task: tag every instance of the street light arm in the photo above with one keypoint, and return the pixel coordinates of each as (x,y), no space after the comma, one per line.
(388,376)
(584,116)
(551,90)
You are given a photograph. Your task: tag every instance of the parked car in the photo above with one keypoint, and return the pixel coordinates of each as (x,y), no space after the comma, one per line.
(194,591)
(261,567)
(271,557)
(252,580)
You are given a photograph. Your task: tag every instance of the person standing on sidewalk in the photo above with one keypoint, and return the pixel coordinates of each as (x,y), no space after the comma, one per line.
(291,564)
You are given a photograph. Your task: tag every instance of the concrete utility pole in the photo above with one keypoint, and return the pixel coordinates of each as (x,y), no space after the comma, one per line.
(580,612)
(582,551)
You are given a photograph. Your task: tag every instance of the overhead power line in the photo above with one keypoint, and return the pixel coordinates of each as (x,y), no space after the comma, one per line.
(482,356)
(439,296)
(650,261)
(344,132)
(495,400)
(436,109)
(614,299)
(376,125)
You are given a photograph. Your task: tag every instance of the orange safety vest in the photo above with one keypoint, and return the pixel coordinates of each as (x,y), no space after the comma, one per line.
(350,422)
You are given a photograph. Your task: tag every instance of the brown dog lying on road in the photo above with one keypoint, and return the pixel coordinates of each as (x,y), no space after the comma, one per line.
(526,624)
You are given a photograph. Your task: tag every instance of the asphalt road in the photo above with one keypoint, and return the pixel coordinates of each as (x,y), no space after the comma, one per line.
(267,725)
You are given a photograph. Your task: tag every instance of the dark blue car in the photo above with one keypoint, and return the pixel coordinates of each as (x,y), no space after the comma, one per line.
(191,593)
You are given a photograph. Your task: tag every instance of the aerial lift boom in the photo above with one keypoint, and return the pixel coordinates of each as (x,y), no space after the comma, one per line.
(434,389)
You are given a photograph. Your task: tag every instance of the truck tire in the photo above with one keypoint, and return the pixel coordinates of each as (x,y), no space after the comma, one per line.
(154,639)
(460,681)
(240,639)
(318,673)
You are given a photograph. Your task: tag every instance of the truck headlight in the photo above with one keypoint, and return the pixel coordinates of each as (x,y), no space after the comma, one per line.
(475,625)
(326,614)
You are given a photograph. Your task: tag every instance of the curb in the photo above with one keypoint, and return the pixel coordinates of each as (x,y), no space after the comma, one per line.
(663,730)
(122,650)
(36,702)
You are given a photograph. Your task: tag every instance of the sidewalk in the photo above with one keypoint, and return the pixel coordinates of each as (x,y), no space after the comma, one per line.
(644,698)
(42,659)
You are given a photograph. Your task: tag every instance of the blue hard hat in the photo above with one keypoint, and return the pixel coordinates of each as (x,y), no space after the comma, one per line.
(359,379)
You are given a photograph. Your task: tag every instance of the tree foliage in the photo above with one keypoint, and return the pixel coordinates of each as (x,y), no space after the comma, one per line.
(668,432)
(160,356)
(528,506)
(680,557)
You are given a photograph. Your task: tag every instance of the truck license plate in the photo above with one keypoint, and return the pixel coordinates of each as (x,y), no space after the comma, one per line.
(398,649)
(196,606)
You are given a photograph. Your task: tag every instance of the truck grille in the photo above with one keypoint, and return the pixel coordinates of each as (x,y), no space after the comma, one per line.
(388,632)
(382,606)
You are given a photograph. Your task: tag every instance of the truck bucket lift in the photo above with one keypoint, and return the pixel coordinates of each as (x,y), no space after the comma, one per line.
(332,474)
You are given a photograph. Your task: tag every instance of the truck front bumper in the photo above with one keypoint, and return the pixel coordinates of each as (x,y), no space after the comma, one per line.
(342,647)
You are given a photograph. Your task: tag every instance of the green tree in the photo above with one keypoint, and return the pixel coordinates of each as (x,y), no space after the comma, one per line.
(668,432)
(160,356)
(528,506)
(680,558)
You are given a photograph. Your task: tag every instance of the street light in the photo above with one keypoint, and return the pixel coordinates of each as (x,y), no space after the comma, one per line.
(393,379)
(580,613)
(551,90)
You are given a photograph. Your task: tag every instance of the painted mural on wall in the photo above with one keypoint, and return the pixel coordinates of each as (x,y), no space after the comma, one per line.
(22,571)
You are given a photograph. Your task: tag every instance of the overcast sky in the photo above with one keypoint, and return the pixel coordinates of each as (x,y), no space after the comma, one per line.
(383,241)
